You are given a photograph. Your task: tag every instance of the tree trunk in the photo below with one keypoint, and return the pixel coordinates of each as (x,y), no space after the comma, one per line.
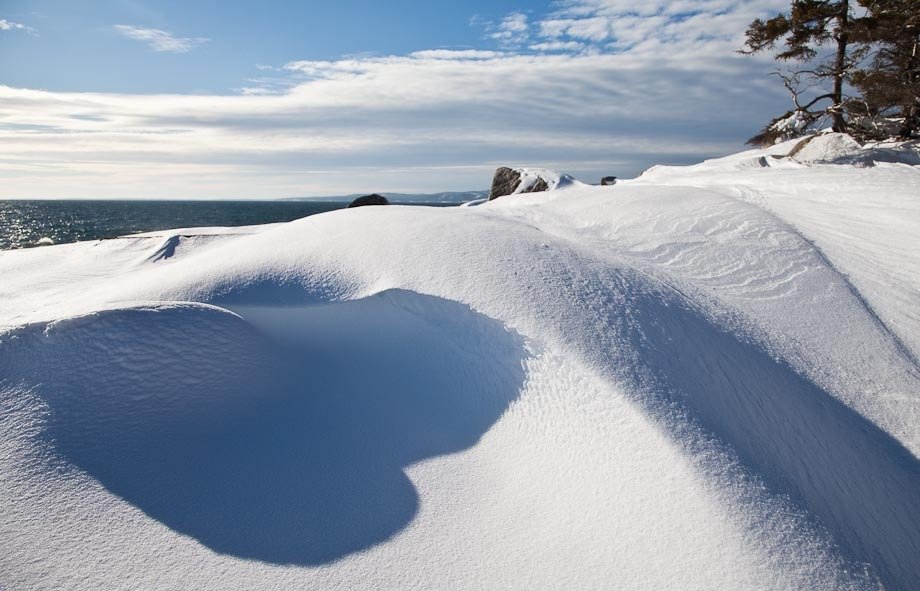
(911,110)
(840,64)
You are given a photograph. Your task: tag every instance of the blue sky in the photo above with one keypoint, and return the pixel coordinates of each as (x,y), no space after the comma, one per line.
(75,46)
(144,98)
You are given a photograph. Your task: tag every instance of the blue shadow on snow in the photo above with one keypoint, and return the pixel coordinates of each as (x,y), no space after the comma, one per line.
(282,438)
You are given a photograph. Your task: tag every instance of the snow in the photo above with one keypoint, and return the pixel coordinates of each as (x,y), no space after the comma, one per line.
(793,124)
(703,378)
(203,231)
(531,176)
(827,148)
(840,148)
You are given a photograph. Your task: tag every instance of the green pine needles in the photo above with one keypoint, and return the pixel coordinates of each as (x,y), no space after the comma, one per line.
(855,67)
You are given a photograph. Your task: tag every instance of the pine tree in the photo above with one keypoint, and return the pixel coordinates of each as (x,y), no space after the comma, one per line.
(889,78)
(807,27)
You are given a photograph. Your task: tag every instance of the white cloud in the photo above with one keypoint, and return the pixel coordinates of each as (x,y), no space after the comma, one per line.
(160,40)
(456,54)
(708,26)
(512,31)
(6,25)
(572,46)
(591,29)
(416,122)
(329,69)
(257,91)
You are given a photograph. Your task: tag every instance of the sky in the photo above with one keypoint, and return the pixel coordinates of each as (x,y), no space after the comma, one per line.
(284,98)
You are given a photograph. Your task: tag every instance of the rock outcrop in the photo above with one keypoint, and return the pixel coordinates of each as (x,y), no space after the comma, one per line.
(512,181)
(373,199)
(609,180)
(504,182)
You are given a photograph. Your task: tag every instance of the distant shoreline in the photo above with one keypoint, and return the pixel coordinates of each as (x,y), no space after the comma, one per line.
(30,223)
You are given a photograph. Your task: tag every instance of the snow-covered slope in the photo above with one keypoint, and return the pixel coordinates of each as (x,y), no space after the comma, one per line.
(863,220)
(705,378)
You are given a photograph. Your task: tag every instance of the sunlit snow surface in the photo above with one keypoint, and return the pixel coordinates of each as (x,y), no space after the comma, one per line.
(704,378)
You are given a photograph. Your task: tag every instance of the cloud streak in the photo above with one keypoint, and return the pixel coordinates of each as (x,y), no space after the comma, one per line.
(159,40)
(513,31)
(655,26)
(6,25)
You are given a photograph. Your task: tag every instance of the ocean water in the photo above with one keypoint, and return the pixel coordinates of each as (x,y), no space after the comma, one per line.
(24,224)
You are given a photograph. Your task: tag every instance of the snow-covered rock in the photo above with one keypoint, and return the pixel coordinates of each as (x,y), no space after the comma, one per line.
(826,148)
(841,148)
(515,181)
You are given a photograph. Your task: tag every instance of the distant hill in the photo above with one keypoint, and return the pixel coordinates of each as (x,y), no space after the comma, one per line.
(445,197)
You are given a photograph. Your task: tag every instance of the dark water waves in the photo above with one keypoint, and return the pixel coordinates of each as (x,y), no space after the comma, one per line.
(34,223)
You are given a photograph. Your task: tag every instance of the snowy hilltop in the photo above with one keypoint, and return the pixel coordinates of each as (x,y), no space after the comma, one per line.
(703,378)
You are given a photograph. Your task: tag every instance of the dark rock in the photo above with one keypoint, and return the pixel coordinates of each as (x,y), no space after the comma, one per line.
(537,187)
(373,199)
(609,180)
(507,180)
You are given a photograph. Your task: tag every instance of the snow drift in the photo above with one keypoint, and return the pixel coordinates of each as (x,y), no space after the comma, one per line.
(704,378)
(190,414)
(841,148)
